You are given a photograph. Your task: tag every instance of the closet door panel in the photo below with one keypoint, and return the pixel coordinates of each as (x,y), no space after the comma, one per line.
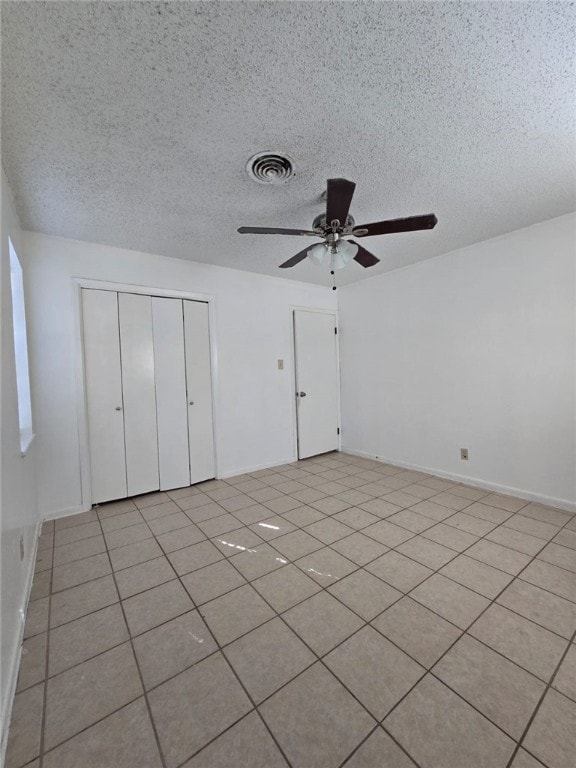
(199,389)
(137,356)
(104,395)
(171,405)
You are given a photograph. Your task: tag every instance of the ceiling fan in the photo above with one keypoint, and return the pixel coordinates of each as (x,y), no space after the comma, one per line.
(336,225)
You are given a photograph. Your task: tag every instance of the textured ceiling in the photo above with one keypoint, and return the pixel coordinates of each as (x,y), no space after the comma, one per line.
(130,123)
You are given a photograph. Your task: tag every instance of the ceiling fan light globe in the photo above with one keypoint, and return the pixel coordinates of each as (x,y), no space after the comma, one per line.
(317,253)
(344,254)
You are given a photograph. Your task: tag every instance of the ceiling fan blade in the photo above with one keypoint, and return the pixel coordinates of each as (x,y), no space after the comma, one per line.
(275,231)
(295,259)
(338,198)
(364,257)
(411,224)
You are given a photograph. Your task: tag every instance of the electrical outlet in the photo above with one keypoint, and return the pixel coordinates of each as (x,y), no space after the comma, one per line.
(464,454)
(280,365)
(21,547)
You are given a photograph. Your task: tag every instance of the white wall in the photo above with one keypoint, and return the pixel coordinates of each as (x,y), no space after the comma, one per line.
(474,349)
(18,507)
(253,330)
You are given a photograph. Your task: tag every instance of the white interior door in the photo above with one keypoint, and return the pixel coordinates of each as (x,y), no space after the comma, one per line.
(171,404)
(199,390)
(316,382)
(138,386)
(104,395)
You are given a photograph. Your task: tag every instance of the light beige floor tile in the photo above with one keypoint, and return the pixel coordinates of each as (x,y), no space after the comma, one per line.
(267,658)
(117,522)
(379,751)
(322,622)
(552,736)
(399,571)
(522,542)
(25,727)
(525,760)
(257,561)
(421,633)
(285,587)
(527,644)
(329,530)
(380,508)
(172,647)
(77,550)
(304,516)
(80,571)
(540,606)
(359,549)
(315,720)
(267,493)
(556,580)
(538,528)
(354,497)
(207,583)
(41,585)
(150,499)
(402,499)
(563,557)
(333,488)
(411,520)
(422,491)
(112,508)
(194,557)
(45,559)
(282,504)
(246,742)
(124,738)
(84,694)
(77,533)
(160,510)
(130,535)
(388,534)
(234,542)
(85,598)
(185,723)
(325,566)
(124,557)
(429,508)
(451,501)
(509,503)
(473,494)
(218,525)
(86,637)
(36,617)
(204,512)
(374,670)
(272,527)
(566,537)
(427,552)
(450,537)
(139,578)
(32,662)
(471,524)
(454,602)
(421,724)
(169,523)
(496,555)
(476,575)
(365,594)
(356,518)
(565,680)
(155,606)
(71,521)
(546,514)
(506,694)
(235,613)
(487,512)
(297,544)
(253,514)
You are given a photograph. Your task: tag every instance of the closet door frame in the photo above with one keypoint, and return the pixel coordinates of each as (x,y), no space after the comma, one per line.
(77,284)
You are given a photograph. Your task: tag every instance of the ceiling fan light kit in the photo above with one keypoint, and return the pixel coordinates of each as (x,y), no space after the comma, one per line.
(336,225)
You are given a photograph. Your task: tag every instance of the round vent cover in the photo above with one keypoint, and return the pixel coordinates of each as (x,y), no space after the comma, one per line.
(270,168)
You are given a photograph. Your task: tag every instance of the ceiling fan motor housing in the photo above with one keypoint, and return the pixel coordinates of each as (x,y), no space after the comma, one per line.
(320,224)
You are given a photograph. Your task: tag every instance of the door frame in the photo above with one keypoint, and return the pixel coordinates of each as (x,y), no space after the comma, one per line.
(334,314)
(77,284)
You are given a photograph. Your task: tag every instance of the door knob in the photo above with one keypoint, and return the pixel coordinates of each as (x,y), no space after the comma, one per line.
(118,408)
(191,402)
(302,394)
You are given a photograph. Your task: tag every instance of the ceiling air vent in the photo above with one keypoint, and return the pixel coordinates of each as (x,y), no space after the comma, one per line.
(270,168)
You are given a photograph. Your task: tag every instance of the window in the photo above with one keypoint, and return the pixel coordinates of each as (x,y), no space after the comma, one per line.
(20,350)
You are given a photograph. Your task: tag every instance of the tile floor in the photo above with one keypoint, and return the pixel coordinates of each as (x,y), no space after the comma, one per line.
(337,611)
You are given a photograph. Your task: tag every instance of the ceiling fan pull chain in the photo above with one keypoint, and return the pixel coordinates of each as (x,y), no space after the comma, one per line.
(333,273)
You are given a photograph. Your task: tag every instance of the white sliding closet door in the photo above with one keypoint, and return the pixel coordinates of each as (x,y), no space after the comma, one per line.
(104,395)
(138,385)
(171,404)
(199,388)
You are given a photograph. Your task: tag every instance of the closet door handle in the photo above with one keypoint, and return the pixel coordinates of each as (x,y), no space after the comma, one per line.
(118,407)
(191,402)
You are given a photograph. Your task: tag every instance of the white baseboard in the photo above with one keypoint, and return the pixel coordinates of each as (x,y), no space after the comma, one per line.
(256,468)
(67,512)
(14,666)
(506,490)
